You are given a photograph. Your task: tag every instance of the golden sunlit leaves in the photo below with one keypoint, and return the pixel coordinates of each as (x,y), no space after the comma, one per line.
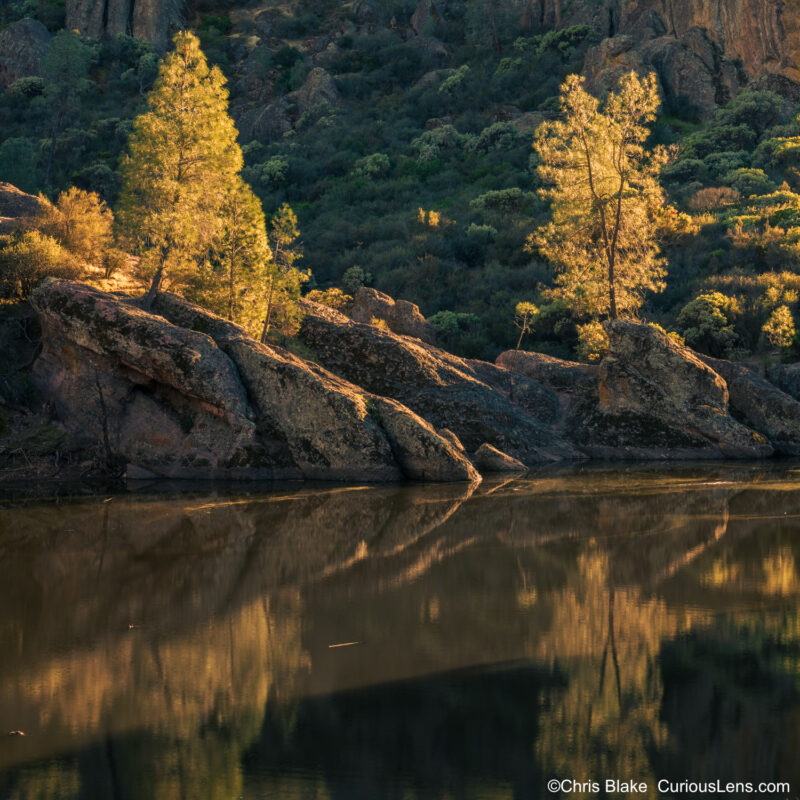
(606,201)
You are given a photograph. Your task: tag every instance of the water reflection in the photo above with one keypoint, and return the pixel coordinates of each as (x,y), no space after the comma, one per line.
(413,642)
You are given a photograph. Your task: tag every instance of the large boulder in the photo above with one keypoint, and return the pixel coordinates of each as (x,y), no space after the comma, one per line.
(786,377)
(761,405)
(199,398)
(23,46)
(401,316)
(479,402)
(332,428)
(660,395)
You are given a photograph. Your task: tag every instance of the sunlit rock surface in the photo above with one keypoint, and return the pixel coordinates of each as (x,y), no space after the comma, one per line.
(202,399)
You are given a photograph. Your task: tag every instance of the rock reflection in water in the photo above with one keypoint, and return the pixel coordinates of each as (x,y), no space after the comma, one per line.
(588,624)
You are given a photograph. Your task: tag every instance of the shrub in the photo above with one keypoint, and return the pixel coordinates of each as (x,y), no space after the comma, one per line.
(333,298)
(27,259)
(713,197)
(779,329)
(707,324)
(592,341)
(749,181)
(375,165)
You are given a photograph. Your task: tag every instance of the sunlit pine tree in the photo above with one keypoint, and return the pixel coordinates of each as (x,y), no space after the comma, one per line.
(182,164)
(607,206)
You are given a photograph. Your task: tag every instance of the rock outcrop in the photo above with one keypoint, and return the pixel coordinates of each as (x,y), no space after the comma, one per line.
(651,398)
(197,397)
(152,20)
(761,405)
(650,386)
(317,89)
(556,373)
(704,51)
(477,401)
(15,207)
(23,46)
(401,316)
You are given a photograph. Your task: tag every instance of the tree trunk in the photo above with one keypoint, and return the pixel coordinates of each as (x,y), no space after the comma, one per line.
(152,292)
(265,328)
(519,341)
(612,293)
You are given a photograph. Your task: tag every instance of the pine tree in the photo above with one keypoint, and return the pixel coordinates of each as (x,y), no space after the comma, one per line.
(606,202)
(229,281)
(283,280)
(181,168)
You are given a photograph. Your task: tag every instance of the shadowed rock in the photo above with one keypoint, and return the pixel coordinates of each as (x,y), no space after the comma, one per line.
(761,405)
(197,397)
(667,386)
(16,206)
(23,46)
(556,373)
(479,402)
(490,459)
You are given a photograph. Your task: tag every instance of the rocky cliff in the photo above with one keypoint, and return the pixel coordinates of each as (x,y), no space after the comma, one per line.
(704,51)
(153,20)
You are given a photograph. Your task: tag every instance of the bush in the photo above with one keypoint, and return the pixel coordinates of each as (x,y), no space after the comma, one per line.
(27,259)
(375,165)
(748,181)
(333,298)
(779,329)
(707,324)
(79,221)
(592,341)
(714,197)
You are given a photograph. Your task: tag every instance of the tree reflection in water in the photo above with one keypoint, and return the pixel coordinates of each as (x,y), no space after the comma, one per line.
(633,624)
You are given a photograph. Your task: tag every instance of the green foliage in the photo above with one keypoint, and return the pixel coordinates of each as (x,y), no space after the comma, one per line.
(457,332)
(779,330)
(354,278)
(706,324)
(18,163)
(749,181)
(182,165)
(26,259)
(375,165)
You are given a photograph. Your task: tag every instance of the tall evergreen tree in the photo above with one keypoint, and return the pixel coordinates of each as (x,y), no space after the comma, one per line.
(182,166)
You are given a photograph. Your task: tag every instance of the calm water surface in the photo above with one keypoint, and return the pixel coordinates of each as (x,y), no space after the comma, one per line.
(404,642)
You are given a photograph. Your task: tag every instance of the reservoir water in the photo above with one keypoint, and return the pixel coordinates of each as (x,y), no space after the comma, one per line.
(434,642)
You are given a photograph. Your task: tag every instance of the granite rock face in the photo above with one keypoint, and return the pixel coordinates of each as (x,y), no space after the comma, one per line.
(153,20)
(489,459)
(197,397)
(761,405)
(652,378)
(651,398)
(477,401)
(23,46)
(401,316)
(703,51)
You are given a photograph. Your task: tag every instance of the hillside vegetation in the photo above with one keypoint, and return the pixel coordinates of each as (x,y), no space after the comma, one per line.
(404,145)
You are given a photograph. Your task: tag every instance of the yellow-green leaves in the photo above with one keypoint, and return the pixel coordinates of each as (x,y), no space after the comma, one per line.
(606,202)
(182,165)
